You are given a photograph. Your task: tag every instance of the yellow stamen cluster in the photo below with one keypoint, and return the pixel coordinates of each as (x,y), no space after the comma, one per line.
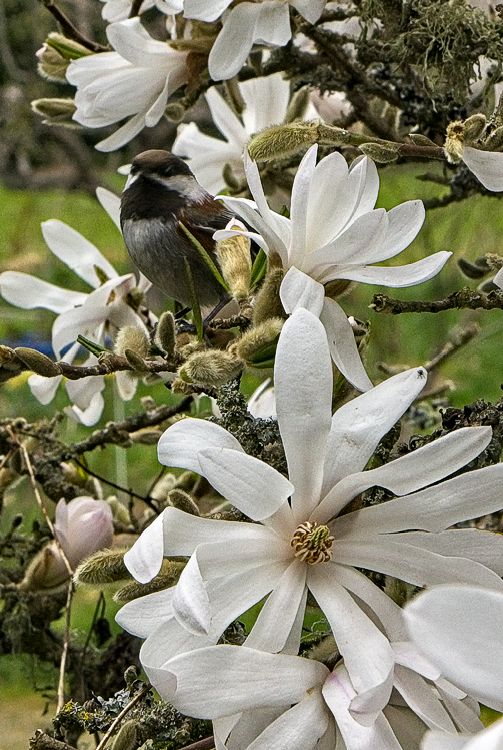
(312,542)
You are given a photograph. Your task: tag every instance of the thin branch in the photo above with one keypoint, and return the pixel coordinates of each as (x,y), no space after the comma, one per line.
(43,741)
(113,726)
(126,490)
(463,298)
(458,338)
(135,8)
(69,29)
(66,646)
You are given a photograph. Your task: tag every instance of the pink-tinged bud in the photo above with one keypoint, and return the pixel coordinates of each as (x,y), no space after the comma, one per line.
(83,526)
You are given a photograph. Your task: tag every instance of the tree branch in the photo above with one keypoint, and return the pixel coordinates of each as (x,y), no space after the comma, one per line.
(463,298)
(69,29)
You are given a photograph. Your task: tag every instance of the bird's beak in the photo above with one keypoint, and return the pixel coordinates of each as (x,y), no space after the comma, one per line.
(130,179)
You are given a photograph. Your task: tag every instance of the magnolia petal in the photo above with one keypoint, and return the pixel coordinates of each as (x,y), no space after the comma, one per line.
(89,415)
(123,135)
(224,118)
(339,693)
(145,557)
(412,564)
(300,290)
(397,276)
(422,699)
(358,426)
(253,679)
(276,618)
(303,376)
(234,42)
(342,345)
(435,740)
(28,292)
(44,389)
(251,485)
(487,166)
(453,626)
(498,279)
(180,445)
(298,728)
(266,101)
(485,547)
(299,207)
(111,203)
(448,503)
(310,9)
(404,223)
(191,605)
(204,11)
(142,616)
(351,246)
(243,554)
(366,651)
(183,532)
(78,253)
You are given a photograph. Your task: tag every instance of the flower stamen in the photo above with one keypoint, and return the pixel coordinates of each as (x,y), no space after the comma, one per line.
(312,542)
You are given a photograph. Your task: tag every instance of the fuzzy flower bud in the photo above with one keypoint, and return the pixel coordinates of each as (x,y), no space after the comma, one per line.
(37,362)
(454,142)
(382,153)
(105,566)
(234,257)
(280,141)
(210,368)
(55,110)
(165,334)
(474,126)
(131,342)
(56,54)
(257,346)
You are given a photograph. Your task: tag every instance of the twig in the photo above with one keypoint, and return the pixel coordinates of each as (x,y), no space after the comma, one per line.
(66,646)
(126,490)
(113,726)
(135,8)
(40,503)
(459,337)
(463,298)
(69,29)
(43,741)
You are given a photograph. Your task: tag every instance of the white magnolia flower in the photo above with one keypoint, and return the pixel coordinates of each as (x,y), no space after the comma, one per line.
(248,23)
(95,315)
(266,102)
(262,403)
(286,702)
(334,232)
(459,629)
(133,82)
(498,279)
(119,10)
(300,538)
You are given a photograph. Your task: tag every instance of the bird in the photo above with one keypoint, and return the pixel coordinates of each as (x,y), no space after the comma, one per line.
(160,193)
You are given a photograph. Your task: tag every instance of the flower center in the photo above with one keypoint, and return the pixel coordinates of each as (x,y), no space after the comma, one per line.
(312,542)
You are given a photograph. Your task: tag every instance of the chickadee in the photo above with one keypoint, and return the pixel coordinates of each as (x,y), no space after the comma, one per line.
(160,192)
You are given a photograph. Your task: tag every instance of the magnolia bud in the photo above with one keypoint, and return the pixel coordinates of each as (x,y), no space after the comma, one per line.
(494,142)
(165,334)
(175,112)
(83,526)
(268,302)
(133,338)
(37,362)
(234,257)
(280,141)
(298,104)
(473,127)
(56,54)
(179,499)
(382,153)
(210,368)
(257,346)
(421,140)
(54,110)
(105,566)
(169,575)
(131,342)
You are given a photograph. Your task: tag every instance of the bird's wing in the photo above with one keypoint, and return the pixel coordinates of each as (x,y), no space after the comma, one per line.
(203,223)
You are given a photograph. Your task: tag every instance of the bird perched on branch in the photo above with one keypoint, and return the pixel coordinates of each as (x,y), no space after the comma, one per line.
(161,193)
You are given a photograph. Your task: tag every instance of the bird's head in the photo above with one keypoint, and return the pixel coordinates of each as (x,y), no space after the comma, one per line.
(163,168)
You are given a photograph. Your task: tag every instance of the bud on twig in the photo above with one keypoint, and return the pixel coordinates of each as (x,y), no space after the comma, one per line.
(37,362)
(234,257)
(210,368)
(165,334)
(380,152)
(106,566)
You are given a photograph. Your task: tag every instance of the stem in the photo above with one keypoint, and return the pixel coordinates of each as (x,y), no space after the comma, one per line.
(113,726)
(69,29)
(463,298)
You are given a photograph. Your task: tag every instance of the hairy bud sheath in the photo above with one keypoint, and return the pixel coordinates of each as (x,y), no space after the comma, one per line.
(211,368)
(234,258)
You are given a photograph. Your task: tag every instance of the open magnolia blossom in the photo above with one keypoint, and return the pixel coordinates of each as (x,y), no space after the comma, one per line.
(333,233)
(301,536)
(266,22)
(96,315)
(135,81)
(266,102)
(459,629)
(282,702)
(119,10)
